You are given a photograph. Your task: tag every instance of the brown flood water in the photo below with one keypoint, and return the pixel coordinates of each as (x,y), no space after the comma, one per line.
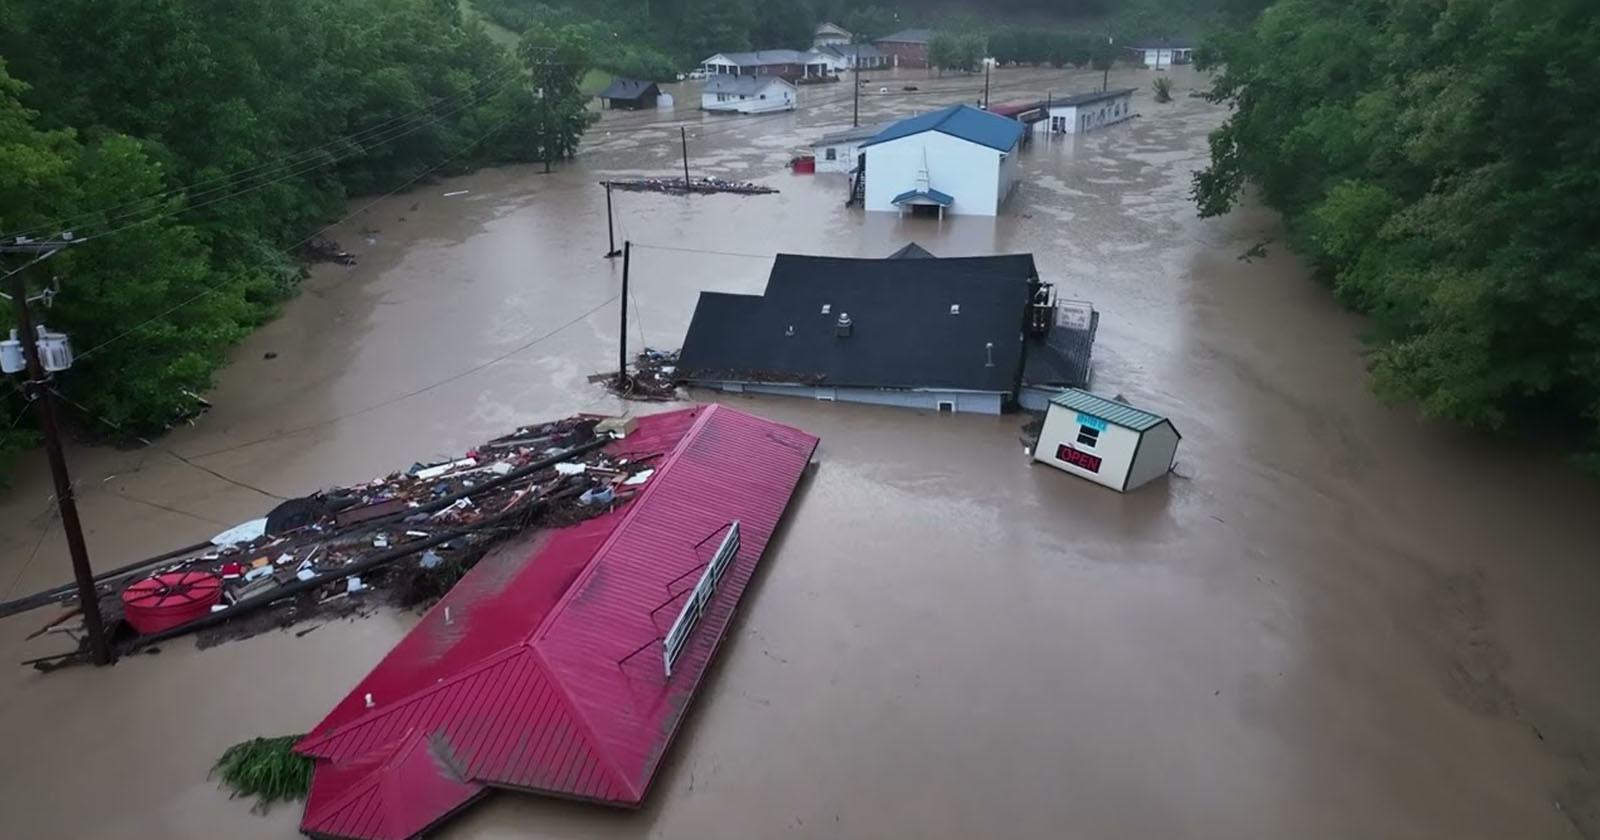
(1337,621)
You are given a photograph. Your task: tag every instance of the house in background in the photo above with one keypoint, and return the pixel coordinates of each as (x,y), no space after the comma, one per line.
(943,335)
(839,150)
(848,56)
(1163,53)
(1087,111)
(747,94)
(631,94)
(789,64)
(1106,441)
(906,48)
(956,160)
(830,33)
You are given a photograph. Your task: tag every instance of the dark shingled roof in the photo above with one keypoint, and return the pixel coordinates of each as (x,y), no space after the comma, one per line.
(912,251)
(628,89)
(902,333)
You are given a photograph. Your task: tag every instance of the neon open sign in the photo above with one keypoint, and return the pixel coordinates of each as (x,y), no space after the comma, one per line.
(1078,458)
(700,597)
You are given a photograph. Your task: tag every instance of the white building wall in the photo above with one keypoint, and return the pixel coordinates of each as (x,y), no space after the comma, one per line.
(1114,448)
(1008,177)
(776,96)
(1075,119)
(968,172)
(844,156)
(965,402)
(1154,458)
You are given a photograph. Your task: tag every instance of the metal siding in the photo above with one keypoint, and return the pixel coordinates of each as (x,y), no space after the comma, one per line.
(1122,414)
(552,710)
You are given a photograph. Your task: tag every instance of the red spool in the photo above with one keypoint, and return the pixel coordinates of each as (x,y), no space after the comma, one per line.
(168,600)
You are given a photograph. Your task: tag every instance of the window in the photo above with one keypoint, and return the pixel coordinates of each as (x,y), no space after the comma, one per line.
(831,154)
(1088,436)
(1058,125)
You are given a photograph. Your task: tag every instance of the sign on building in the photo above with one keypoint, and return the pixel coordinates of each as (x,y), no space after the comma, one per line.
(700,597)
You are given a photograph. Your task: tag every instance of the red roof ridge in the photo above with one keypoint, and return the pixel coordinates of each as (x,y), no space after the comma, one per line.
(617,533)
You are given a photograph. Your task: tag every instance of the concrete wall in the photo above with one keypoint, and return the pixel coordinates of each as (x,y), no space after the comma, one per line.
(1115,447)
(965,402)
(1155,455)
(968,172)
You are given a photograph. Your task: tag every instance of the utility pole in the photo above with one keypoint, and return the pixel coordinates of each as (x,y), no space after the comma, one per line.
(622,337)
(683,133)
(38,392)
(855,120)
(986,86)
(1105,78)
(611,236)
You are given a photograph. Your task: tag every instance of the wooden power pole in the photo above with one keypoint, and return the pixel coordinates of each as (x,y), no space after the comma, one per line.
(38,391)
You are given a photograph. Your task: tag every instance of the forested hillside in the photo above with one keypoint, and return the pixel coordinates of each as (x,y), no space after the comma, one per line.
(1438,163)
(194,144)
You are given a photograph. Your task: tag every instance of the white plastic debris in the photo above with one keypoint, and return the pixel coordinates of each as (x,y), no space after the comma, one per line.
(354,584)
(380,541)
(597,496)
(441,469)
(417,534)
(428,560)
(639,478)
(500,468)
(571,469)
(285,559)
(454,193)
(218,607)
(242,533)
(257,573)
(306,574)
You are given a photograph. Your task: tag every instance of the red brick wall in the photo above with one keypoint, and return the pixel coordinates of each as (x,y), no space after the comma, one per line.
(909,55)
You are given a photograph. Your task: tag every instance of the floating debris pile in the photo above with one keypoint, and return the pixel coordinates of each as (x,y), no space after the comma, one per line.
(403,539)
(694,186)
(650,381)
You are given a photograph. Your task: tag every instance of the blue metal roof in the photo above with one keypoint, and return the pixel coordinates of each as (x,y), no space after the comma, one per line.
(1111,411)
(963,121)
(939,198)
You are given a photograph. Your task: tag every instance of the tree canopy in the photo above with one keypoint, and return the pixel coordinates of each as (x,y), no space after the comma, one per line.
(1437,166)
(194,144)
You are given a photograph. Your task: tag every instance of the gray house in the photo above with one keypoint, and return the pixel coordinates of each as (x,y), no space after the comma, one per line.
(940,334)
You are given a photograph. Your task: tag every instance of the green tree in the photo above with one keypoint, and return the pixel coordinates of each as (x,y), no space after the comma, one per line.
(557,61)
(1431,166)
(782,24)
(870,23)
(1005,45)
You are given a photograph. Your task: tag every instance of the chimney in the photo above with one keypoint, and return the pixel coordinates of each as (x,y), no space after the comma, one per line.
(842,328)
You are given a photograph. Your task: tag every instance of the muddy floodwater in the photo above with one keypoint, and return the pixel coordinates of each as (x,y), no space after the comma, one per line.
(1333,621)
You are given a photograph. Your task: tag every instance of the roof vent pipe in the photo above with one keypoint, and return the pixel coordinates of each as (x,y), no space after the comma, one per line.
(843,327)
(988,353)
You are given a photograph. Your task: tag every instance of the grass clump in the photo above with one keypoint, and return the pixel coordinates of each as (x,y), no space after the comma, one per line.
(265,768)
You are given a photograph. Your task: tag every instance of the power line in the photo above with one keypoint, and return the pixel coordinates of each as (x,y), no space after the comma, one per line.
(348,216)
(419,391)
(365,136)
(207,470)
(189,207)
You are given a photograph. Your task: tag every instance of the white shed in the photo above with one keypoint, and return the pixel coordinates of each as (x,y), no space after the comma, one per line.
(1159,55)
(837,152)
(1082,112)
(747,94)
(955,160)
(1106,441)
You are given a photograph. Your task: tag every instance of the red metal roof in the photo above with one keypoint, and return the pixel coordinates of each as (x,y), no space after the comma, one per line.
(548,674)
(1012,109)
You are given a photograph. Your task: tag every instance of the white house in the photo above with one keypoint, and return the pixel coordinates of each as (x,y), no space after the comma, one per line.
(1159,55)
(955,160)
(838,151)
(747,94)
(830,33)
(790,64)
(1087,111)
(850,56)
(1106,441)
